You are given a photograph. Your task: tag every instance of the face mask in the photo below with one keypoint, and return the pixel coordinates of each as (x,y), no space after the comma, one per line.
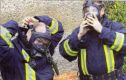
(93,8)
(38,50)
(40,43)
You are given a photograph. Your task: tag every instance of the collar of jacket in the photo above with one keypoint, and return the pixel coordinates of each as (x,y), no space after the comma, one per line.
(105,22)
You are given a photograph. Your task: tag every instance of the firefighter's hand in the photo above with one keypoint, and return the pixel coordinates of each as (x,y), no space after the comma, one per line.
(94,22)
(83,29)
(30,21)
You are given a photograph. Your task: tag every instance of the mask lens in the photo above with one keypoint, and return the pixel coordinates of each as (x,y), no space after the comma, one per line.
(93,10)
(41,41)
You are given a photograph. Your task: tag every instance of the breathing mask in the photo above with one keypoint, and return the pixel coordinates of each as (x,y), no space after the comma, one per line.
(92,9)
(40,42)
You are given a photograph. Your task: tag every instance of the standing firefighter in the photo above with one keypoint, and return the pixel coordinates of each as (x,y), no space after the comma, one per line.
(99,44)
(28,56)
(45,65)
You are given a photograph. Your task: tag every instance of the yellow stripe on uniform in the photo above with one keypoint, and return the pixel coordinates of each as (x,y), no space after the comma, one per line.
(68,50)
(30,73)
(6,36)
(118,43)
(83,62)
(25,55)
(109,58)
(54,26)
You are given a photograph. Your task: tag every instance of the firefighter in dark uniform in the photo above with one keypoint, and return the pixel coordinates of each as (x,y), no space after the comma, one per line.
(22,49)
(56,29)
(98,43)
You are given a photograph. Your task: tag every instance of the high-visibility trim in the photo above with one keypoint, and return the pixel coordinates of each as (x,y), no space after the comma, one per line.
(30,73)
(83,62)
(68,50)
(54,26)
(119,40)
(6,36)
(109,58)
(25,55)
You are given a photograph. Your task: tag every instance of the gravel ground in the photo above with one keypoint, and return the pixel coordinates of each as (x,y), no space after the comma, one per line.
(63,64)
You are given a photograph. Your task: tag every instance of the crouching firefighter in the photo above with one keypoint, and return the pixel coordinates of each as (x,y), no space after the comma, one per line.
(99,44)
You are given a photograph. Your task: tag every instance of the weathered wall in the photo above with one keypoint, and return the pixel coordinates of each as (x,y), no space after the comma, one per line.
(69,12)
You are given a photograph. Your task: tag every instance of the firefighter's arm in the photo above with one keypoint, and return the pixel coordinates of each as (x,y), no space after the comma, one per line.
(6,46)
(55,26)
(56,30)
(12,27)
(70,47)
(7,31)
(115,38)
(56,37)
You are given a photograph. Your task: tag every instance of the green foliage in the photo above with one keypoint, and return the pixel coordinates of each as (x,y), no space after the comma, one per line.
(116,11)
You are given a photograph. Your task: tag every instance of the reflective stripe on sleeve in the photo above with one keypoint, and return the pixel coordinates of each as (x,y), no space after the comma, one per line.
(54,26)
(118,43)
(6,36)
(68,50)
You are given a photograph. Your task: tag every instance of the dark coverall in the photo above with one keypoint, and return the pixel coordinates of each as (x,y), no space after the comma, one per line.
(98,53)
(14,58)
